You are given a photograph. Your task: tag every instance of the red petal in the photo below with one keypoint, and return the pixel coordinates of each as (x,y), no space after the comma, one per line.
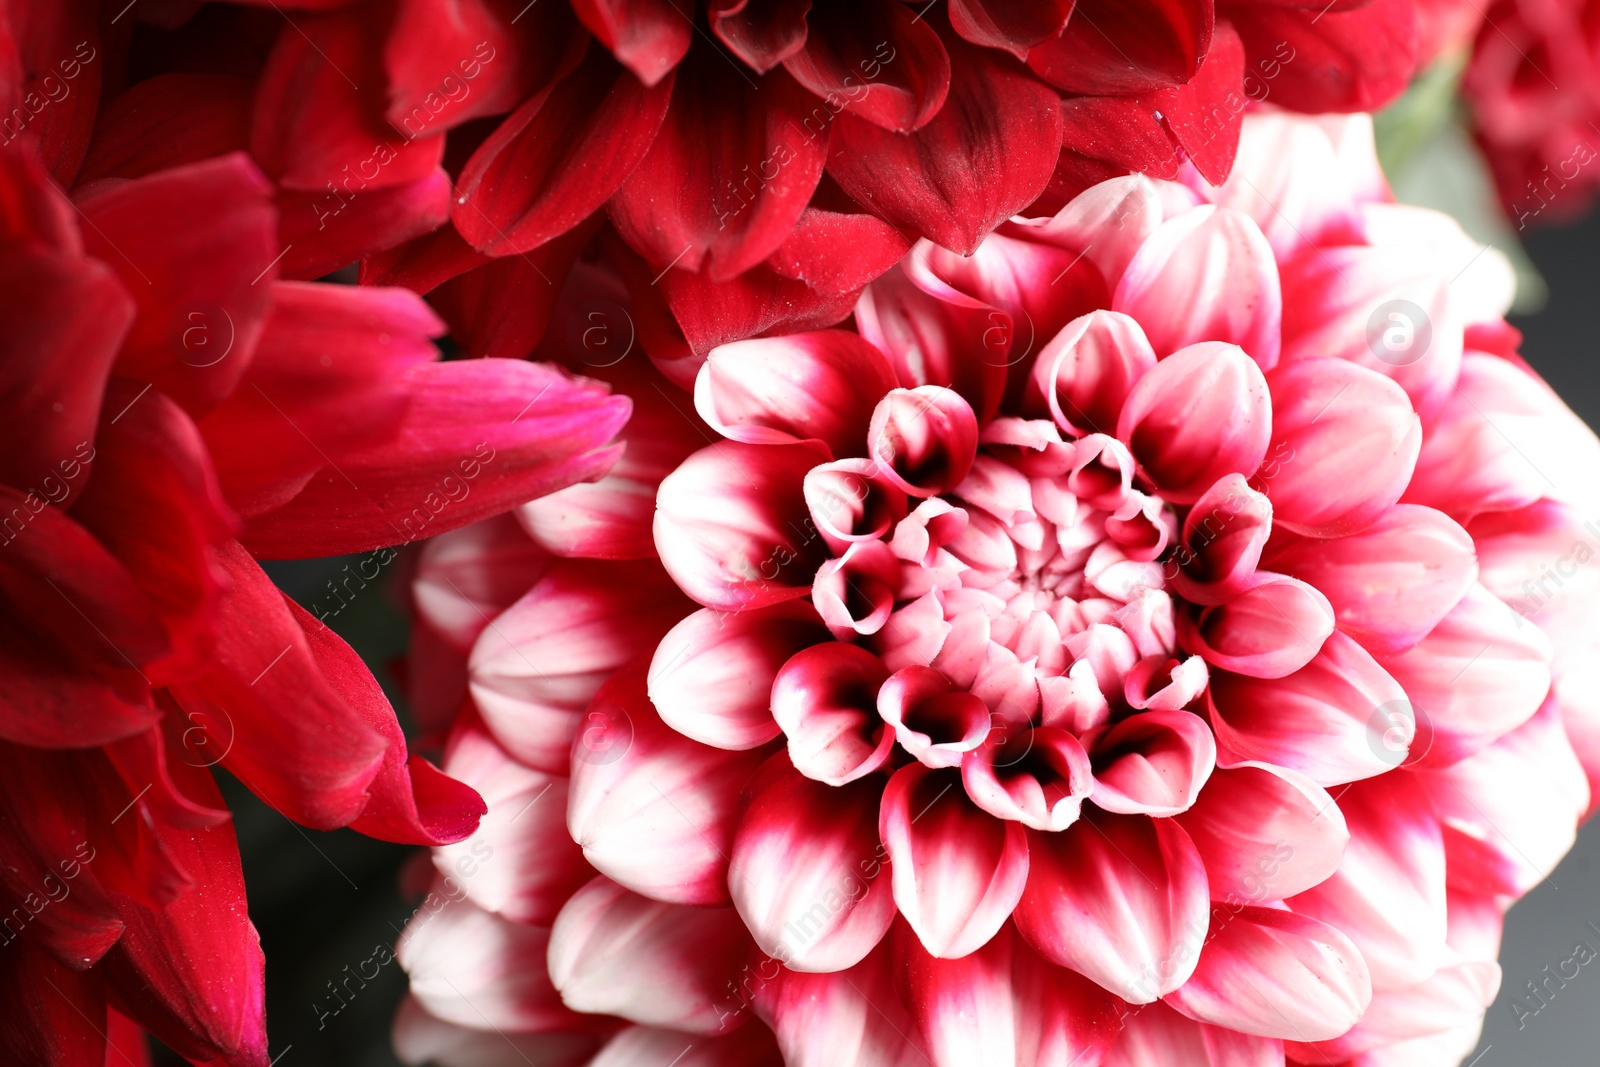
(64,1027)
(452,60)
(294,412)
(987,154)
(169,121)
(313,766)
(763,33)
(743,161)
(1355,60)
(189,244)
(1014,27)
(56,84)
(422,264)
(648,37)
(526,429)
(156,506)
(876,60)
(325,231)
(853,1018)
(1123,47)
(191,972)
(1205,114)
(319,110)
(558,157)
(503,307)
(759,302)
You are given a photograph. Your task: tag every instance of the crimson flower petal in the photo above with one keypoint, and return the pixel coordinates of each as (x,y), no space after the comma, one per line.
(648,37)
(1124,47)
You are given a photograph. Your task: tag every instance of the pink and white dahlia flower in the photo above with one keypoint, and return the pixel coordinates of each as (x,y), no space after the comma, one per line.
(1162,637)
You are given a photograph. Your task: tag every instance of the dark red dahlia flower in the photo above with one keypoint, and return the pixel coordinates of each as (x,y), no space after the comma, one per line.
(762,160)
(172,410)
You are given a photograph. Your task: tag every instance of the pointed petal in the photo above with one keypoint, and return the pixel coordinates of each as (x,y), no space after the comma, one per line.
(957,871)
(1121,899)
(652,809)
(1112,48)
(649,37)
(1270,630)
(1152,763)
(878,61)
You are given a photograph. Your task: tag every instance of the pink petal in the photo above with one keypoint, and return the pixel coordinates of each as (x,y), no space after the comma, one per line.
(1388,895)
(520,864)
(780,390)
(1206,275)
(1510,811)
(1036,775)
(613,952)
(729,525)
(1153,763)
(1392,582)
(853,500)
(935,334)
(957,871)
(1003,1006)
(1478,675)
(1339,718)
(806,869)
(652,809)
(933,719)
(712,676)
(985,156)
(469,967)
(1201,414)
(1119,899)
(1270,630)
(1276,974)
(878,61)
(1361,304)
(535,668)
(924,439)
(1085,372)
(641,1046)
(825,699)
(1344,442)
(1265,833)
(420,1037)
(1157,1036)
(855,592)
(1223,536)
(850,1018)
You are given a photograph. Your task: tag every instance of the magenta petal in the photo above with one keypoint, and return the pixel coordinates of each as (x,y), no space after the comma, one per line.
(613,952)
(957,871)
(712,675)
(1153,763)
(1036,775)
(1085,372)
(1339,718)
(1392,582)
(1121,899)
(924,439)
(1201,414)
(1269,630)
(1206,275)
(933,719)
(852,1018)
(1276,974)
(652,809)
(1223,537)
(825,700)
(1344,442)
(806,871)
(1265,833)
(780,390)
(1157,1036)
(730,525)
